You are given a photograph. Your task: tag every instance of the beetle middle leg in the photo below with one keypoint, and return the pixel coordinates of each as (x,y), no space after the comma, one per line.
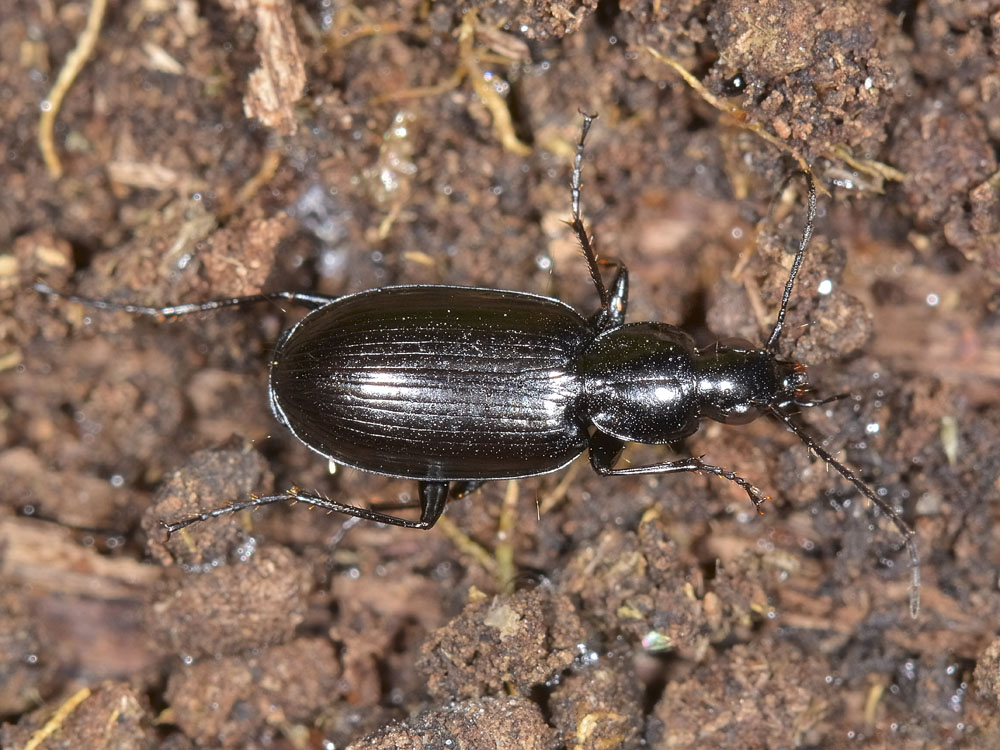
(605,450)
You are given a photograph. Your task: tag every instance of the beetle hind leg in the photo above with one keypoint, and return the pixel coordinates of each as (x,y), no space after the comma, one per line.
(175,311)
(433,498)
(430,505)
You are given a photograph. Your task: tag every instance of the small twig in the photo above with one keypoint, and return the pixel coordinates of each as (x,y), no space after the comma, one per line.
(741,117)
(466,545)
(70,70)
(498,107)
(469,59)
(869,167)
(553,497)
(268,166)
(504,551)
(53,724)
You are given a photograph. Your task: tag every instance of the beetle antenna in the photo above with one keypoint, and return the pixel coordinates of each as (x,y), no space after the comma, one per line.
(173,311)
(796,265)
(909,535)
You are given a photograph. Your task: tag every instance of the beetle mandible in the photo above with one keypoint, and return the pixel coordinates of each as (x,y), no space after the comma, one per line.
(457,386)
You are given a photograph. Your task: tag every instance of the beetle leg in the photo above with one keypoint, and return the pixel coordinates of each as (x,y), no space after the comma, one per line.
(431,502)
(173,311)
(618,300)
(604,451)
(576,189)
(457,491)
(614,315)
(613,301)
(602,459)
(433,496)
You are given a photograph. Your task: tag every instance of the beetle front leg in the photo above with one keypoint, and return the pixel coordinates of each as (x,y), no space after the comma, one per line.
(603,458)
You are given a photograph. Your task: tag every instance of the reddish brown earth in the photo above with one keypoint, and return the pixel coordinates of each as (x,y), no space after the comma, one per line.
(419,143)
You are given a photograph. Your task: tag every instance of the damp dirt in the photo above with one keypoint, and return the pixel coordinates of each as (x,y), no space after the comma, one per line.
(214,150)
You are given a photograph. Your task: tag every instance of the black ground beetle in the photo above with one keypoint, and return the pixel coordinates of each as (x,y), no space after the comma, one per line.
(456,386)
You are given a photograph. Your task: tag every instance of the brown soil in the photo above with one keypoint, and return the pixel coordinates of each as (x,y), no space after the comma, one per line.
(431,143)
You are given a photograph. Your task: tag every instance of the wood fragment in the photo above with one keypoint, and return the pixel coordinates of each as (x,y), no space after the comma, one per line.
(275,87)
